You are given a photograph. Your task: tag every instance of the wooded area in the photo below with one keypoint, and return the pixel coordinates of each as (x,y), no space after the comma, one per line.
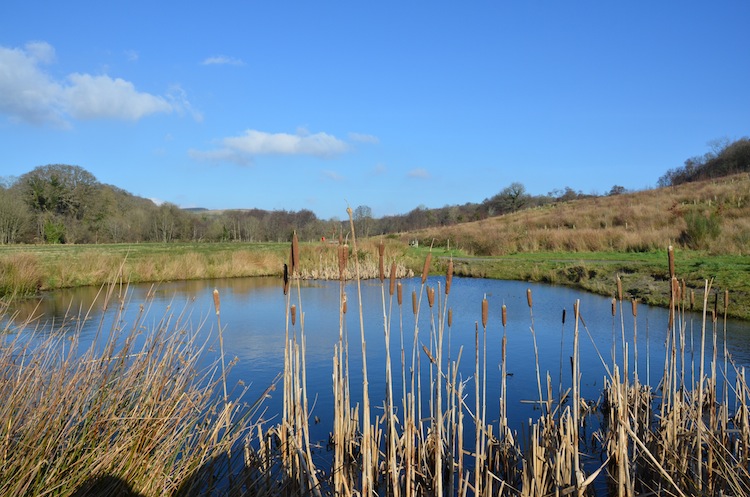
(61,203)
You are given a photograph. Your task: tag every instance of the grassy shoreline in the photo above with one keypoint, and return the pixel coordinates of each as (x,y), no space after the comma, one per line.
(26,270)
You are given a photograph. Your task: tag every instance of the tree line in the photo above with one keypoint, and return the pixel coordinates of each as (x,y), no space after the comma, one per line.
(60,203)
(725,158)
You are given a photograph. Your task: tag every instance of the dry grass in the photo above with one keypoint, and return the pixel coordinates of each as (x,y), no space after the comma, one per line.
(133,411)
(638,222)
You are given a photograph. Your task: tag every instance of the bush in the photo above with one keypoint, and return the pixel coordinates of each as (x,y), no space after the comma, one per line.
(700,229)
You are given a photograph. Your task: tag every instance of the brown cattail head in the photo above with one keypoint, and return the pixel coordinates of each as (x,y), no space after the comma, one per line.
(528,297)
(614,306)
(286,279)
(381,262)
(392,286)
(505,315)
(426,268)
(343,304)
(295,253)
(634,304)
(293,312)
(217,304)
(726,301)
(485,312)
(399,293)
(676,289)
(563,316)
(449,277)
(450,317)
(619,288)
(683,290)
(430,296)
(670,255)
(692,299)
(343,251)
(414,302)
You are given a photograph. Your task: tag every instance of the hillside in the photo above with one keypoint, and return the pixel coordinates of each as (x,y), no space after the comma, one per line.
(590,243)
(709,215)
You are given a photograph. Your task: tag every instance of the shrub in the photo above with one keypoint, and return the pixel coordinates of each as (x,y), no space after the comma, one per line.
(700,229)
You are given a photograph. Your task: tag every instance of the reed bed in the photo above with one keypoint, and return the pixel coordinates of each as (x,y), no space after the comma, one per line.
(688,435)
(134,411)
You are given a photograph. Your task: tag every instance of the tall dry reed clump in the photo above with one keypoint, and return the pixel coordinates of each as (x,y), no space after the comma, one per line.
(20,274)
(680,438)
(132,413)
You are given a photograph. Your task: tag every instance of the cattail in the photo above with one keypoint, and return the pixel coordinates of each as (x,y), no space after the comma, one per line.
(505,315)
(670,255)
(293,311)
(343,304)
(528,297)
(726,301)
(343,251)
(414,302)
(450,317)
(392,286)
(217,304)
(619,288)
(676,289)
(426,268)
(614,307)
(381,263)
(692,299)
(295,253)
(399,293)
(449,277)
(286,279)
(485,312)
(634,303)
(430,296)
(563,316)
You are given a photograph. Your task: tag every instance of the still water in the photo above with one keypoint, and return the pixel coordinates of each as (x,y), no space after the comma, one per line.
(253,319)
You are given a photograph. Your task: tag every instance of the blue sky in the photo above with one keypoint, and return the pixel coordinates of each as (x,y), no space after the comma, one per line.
(393,105)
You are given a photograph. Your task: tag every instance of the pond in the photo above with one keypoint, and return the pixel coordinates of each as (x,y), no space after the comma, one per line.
(254,324)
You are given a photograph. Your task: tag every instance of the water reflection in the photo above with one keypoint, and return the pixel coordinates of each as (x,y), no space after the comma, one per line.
(254,326)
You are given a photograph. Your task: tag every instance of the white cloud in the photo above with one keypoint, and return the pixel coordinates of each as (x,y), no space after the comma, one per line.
(419,173)
(363,138)
(29,94)
(241,149)
(222,60)
(131,55)
(93,97)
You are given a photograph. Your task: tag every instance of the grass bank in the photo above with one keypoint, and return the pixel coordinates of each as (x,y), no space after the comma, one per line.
(644,275)
(26,270)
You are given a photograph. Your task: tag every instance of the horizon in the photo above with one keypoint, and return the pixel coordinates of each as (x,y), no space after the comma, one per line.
(393,106)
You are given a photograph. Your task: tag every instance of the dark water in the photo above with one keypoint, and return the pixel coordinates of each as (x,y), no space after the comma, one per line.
(254,321)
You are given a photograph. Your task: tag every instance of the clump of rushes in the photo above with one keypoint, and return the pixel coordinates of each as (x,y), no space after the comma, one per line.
(142,408)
